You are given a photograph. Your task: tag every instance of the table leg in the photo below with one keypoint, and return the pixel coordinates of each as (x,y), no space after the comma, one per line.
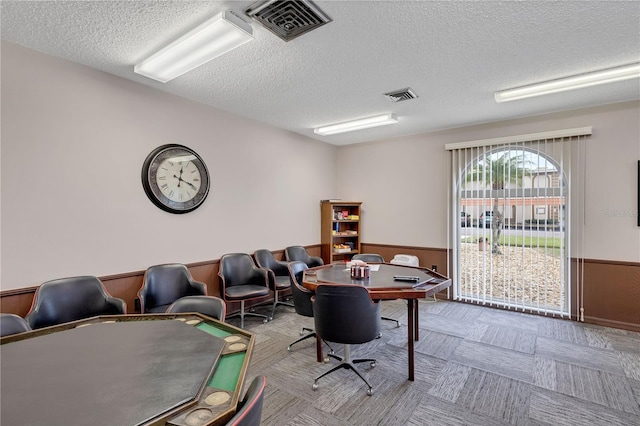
(416,326)
(411,321)
(319,356)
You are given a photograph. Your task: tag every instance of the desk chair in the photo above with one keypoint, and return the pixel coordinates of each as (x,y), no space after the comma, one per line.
(249,411)
(71,299)
(299,253)
(164,284)
(278,275)
(210,306)
(346,314)
(374,258)
(12,324)
(302,302)
(241,280)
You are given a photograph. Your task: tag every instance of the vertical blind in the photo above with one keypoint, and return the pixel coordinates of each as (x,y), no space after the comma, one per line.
(512,205)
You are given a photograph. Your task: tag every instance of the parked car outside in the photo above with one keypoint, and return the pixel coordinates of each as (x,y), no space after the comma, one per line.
(486,219)
(465,219)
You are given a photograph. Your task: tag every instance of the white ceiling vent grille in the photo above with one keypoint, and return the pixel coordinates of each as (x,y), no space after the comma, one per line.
(401,95)
(288,19)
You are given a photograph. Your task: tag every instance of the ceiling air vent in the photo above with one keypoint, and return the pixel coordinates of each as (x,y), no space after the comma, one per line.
(401,95)
(288,19)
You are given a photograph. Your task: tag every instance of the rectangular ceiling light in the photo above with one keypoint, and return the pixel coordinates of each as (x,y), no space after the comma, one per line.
(569,83)
(213,38)
(363,123)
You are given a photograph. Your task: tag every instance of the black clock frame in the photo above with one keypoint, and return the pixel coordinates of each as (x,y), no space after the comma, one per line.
(152,189)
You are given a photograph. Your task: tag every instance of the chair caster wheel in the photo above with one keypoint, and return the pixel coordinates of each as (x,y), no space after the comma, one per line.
(369,391)
(373,364)
(289,348)
(266,320)
(314,386)
(399,324)
(331,352)
(326,360)
(379,335)
(302,333)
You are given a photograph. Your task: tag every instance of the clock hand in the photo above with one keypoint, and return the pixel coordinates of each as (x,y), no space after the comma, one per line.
(190,184)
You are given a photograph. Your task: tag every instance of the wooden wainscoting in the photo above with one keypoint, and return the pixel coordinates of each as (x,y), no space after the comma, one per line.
(126,285)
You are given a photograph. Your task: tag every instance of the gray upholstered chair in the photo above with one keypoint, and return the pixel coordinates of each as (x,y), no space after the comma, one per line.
(164,284)
(300,253)
(346,314)
(249,412)
(278,276)
(12,324)
(71,299)
(240,281)
(210,306)
(374,258)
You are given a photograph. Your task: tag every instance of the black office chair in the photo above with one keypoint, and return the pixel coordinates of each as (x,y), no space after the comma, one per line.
(210,306)
(300,253)
(374,258)
(241,280)
(346,314)
(278,275)
(71,299)
(12,324)
(164,284)
(249,411)
(302,302)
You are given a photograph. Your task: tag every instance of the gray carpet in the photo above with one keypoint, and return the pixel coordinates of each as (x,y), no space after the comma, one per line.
(474,366)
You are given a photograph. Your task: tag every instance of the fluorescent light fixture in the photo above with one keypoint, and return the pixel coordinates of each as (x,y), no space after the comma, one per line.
(363,123)
(569,83)
(212,38)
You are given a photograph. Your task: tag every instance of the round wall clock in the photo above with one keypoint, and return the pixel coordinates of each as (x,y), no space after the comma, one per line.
(175,178)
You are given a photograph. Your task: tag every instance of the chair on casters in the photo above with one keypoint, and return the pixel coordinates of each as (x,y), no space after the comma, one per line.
(242,280)
(12,324)
(278,275)
(374,258)
(300,253)
(302,302)
(210,306)
(346,314)
(249,411)
(164,284)
(70,299)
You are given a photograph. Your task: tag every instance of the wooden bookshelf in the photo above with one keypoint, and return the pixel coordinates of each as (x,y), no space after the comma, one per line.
(340,230)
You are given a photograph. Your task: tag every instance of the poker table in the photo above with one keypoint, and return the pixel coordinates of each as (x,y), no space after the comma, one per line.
(157,369)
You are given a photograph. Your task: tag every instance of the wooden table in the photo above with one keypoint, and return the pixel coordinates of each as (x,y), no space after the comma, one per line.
(382,286)
(162,369)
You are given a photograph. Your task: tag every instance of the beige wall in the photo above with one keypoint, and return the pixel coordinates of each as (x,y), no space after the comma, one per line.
(404,183)
(73,143)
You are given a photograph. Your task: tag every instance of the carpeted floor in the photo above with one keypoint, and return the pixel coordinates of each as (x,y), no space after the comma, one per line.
(474,366)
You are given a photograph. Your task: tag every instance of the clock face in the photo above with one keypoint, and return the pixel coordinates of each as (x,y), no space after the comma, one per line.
(175,178)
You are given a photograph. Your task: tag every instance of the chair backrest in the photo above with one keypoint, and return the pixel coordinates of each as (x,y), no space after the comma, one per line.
(71,299)
(249,412)
(265,259)
(301,296)
(300,253)
(345,314)
(164,284)
(210,306)
(368,257)
(405,259)
(12,324)
(237,269)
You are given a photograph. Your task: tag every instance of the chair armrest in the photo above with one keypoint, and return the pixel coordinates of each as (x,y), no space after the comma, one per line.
(118,304)
(199,287)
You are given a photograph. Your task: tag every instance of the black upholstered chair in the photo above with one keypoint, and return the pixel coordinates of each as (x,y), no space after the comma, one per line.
(278,275)
(374,258)
(241,280)
(249,410)
(164,284)
(210,306)
(71,299)
(300,253)
(302,302)
(12,324)
(346,314)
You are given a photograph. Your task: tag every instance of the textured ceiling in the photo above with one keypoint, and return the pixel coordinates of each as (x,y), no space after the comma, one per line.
(454,55)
